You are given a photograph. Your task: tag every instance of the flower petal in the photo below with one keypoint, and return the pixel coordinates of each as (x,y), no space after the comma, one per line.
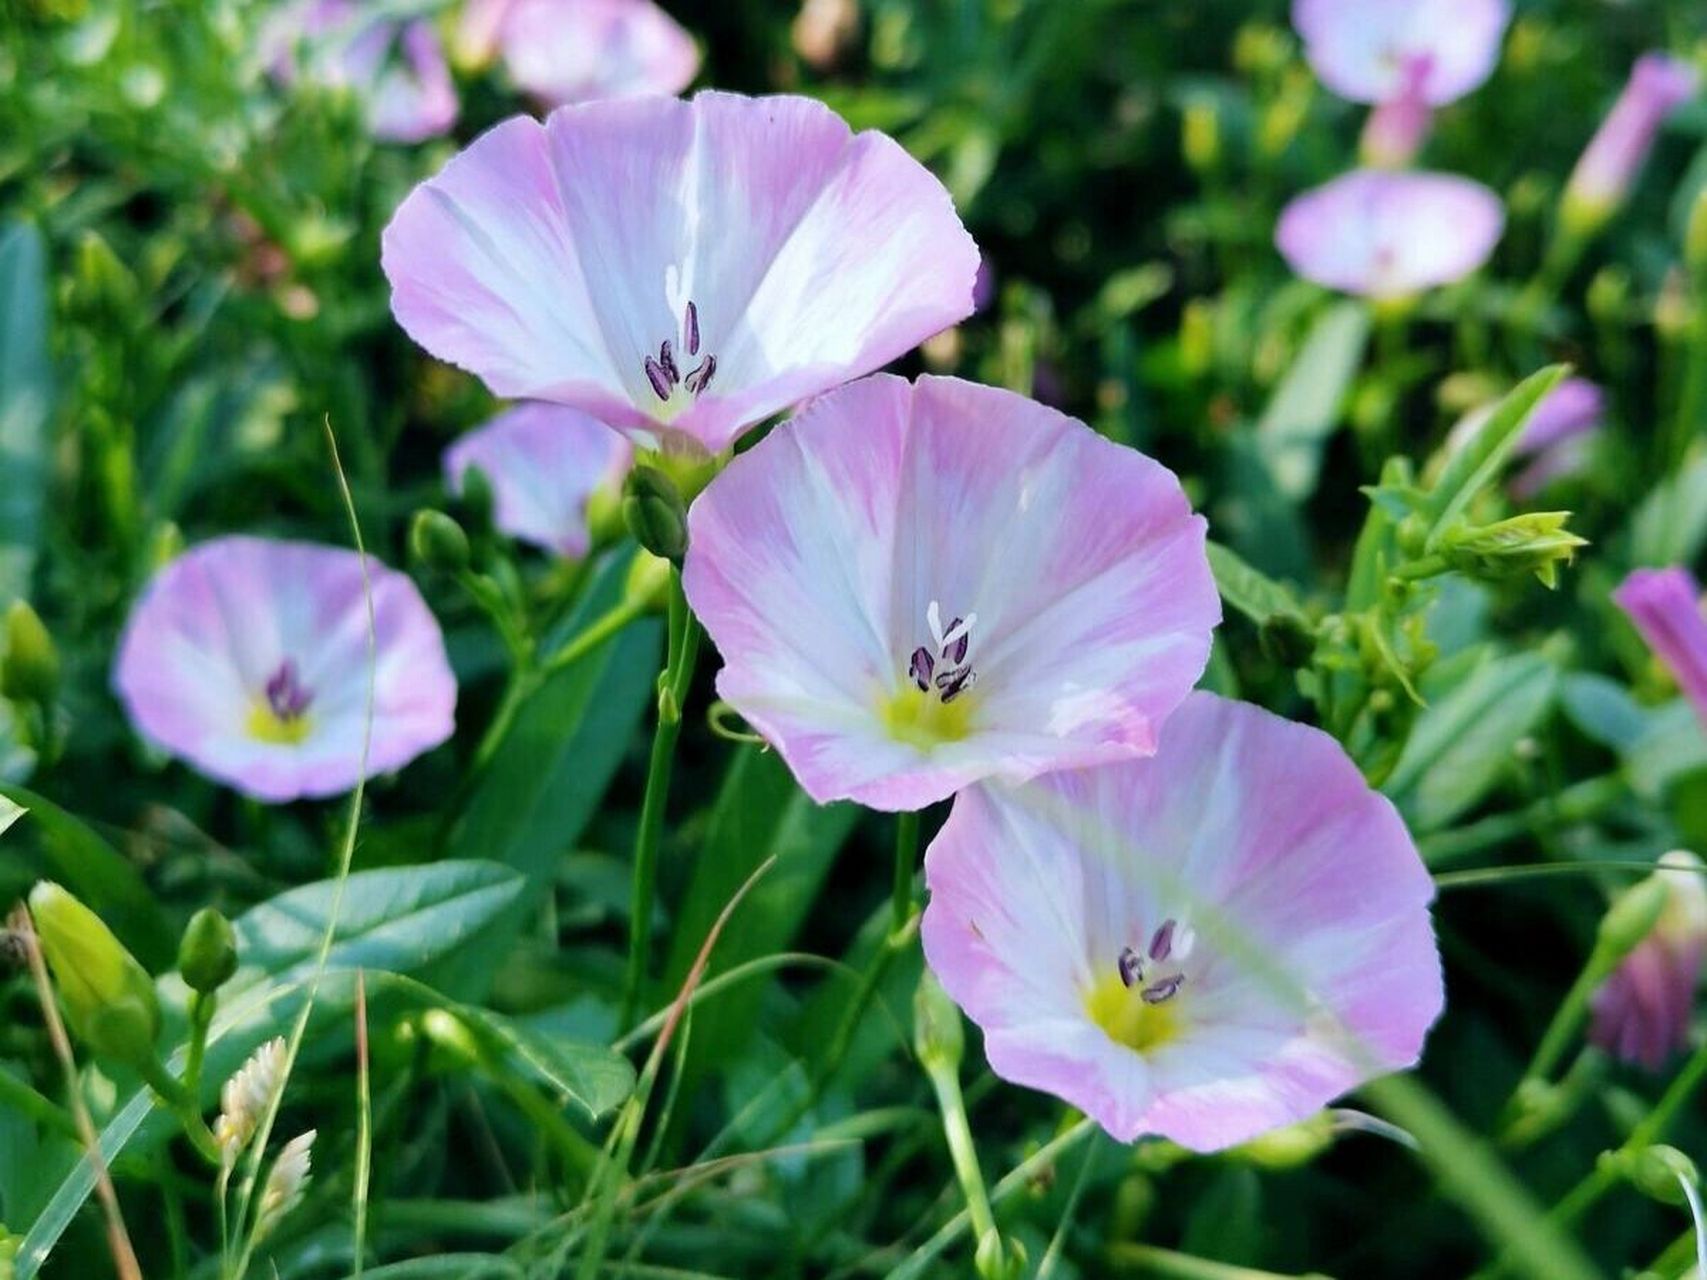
(1313,967)
(1361,48)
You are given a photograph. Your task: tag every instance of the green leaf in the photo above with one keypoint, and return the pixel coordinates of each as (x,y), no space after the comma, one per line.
(410,920)
(109,884)
(450,1266)
(1673,744)
(1670,526)
(26,397)
(546,780)
(1305,409)
(596,1077)
(1253,593)
(760,814)
(9,813)
(1476,465)
(1466,738)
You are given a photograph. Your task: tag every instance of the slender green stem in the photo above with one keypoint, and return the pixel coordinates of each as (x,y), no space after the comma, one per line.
(945,1080)
(906,865)
(1151,1260)
(919,1262)
(1569,1017)
(184,1106)
(672,691)
(202,1008)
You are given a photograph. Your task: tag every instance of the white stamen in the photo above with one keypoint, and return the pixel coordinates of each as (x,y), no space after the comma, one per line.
(933,619)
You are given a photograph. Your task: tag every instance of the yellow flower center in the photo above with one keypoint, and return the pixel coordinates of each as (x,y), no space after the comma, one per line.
(924,720)
(1128,1018)
(267,725)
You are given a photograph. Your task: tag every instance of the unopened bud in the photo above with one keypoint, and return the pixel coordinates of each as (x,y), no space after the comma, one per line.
(207,953)
(1660,1173)
(998,1258)
(648,581)
(451,1039)
(1535,543)
(437,542)
(29,672)
(653,510)
(1200,137)
(1631,917)
(108,997)
(478,502)
(938,1035)
(1609,294)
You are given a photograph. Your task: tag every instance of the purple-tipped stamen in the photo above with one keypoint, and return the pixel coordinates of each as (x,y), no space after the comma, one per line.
(659,379)
(700,378)
(920,668)
(1163,942)
(959,683)
(690,327)
(286,697)
(1131,968)
(667,360)
(957,651)
(1163,991)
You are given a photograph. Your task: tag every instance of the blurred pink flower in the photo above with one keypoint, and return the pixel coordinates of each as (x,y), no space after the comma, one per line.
(1658,85)
(543,462)
(1374,50)
(1204,945)
(1665,606)
(1642,1012)
(248,657)
(679,270)
(396,68)
(562,51)
(1397,128)
(918,585)
(1557,440)
(1388,235)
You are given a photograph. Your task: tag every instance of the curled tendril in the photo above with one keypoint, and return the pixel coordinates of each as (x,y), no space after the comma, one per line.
(722,719)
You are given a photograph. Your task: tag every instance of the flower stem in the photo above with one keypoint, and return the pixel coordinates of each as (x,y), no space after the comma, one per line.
(202,1007)
(673,686)
(183,1105)
(945,1080)
(906,864)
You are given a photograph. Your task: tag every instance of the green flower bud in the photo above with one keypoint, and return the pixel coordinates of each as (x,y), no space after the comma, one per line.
(1695,238)
(30,669)
(454,1044)
(1656,1172)
(477,499)
(939,1038)
(999,1259)
(1631,917)
(648,581)
(207,953)
(1535,543)
(653,510)
(108,997)
(437,542)
(1201,135)
(1609,294)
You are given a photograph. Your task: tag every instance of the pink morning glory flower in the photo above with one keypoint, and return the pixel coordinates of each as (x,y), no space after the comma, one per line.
(397,68)
(544,462)
(1658,85)
(248,657)
(918,585)
(679,270)
(1388,235)
(1665,606)
(1203,945)
(1378,50)
(563,51)
(1642,1012)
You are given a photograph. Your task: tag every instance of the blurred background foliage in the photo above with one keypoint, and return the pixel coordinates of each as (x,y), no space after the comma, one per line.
(190,289)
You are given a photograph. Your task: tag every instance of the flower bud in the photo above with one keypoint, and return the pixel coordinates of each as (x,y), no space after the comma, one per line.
(1657,935)
(478,501)
(1631,917)
(653,510)
(1200,135)
(30,670)
(999,1259)
(648,581)
(1602,179)
(1695,238)
(1660,1172)
(207,953)
(939,1038)
(437,542)
(108,997)
(1534,543)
